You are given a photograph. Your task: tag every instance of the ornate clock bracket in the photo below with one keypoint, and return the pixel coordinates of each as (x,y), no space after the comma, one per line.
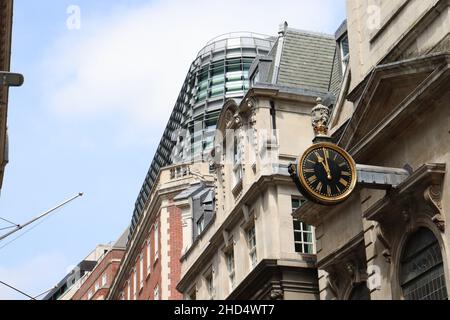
(386,253)
(433,196)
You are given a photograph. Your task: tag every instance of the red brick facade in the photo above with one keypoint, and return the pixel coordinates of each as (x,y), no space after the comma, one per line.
(175,249)
(151,278)
(96,285)
(153,281)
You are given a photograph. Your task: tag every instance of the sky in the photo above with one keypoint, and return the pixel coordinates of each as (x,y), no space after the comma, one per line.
(101,79)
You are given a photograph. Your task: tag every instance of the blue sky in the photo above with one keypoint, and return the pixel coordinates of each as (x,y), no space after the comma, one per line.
(92,110)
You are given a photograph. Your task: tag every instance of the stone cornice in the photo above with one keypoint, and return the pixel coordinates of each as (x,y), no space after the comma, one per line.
(233,217)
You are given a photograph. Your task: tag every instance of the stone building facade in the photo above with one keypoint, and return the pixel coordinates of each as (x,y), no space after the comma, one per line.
(390,239)
(254,249)
(6,14)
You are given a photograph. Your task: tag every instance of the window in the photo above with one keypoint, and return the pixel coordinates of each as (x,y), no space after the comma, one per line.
(156,241)
(97,286)
(255,77)
(122,296)
(104,280)
(128,290)
(141,271)
(251,241)
(156,293)
(134,284)
(303,233)
(345,52)
(229,256)
(89,296)
(237,165)
(422,271)
(149,257)
(200,225)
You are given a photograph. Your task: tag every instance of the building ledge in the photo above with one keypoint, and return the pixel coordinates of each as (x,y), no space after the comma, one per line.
(266,279)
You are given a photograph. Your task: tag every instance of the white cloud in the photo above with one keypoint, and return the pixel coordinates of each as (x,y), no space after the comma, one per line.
(33,276)
(129,65)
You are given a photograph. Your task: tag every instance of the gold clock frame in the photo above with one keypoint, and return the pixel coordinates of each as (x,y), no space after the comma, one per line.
(320,198)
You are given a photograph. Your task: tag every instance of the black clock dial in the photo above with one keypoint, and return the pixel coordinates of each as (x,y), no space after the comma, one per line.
(327,172)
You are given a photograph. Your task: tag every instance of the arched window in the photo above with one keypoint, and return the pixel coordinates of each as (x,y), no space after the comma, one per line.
(422,271)
(360,292)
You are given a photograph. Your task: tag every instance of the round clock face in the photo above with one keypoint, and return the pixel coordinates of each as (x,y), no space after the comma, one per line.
(327,173)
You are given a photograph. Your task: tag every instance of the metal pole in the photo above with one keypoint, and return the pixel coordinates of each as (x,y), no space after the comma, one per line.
(20,227)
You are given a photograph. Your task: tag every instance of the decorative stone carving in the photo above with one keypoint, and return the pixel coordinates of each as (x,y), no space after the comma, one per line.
(333,284)
(238,120)
(433,195)
(386,253)
(320,118)
(229,118)
(276,294)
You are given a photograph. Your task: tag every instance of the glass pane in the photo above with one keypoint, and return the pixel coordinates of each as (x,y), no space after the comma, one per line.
(308,248)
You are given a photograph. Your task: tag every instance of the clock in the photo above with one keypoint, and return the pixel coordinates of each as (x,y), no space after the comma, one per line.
(327,174)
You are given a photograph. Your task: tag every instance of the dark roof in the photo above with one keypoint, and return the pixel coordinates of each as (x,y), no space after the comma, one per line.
(307,59)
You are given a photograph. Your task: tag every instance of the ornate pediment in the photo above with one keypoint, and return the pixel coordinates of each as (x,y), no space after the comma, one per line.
(393,93)
(421,193)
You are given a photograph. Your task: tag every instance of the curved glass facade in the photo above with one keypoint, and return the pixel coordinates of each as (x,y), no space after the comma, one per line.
(219,72)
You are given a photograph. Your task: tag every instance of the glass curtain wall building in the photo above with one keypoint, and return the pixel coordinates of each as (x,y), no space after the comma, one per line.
(219,72)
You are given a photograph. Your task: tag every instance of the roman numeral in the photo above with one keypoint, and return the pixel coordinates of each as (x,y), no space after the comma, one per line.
(343,182)
(329,191)
(309,171)
(343,164)
(327,153)
(346,173)
(312,179)
(317,155)
(319,187)
(311,161)
(335,157)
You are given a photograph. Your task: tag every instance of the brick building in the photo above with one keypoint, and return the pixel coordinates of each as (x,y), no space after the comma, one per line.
(95,285)
(151,268)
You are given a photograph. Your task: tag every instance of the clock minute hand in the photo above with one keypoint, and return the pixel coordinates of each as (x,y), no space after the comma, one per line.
(328,166)
(327,169)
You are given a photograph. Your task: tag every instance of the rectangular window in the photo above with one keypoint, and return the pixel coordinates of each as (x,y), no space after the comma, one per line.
(141,271)
(156,293)
(104,280)
(156,240)
(149,257)
(229,256)
(344,53)
(237,165)
(303,233)
(251,241)
(201,225)
(89,296)
(97,286)
(128,290)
